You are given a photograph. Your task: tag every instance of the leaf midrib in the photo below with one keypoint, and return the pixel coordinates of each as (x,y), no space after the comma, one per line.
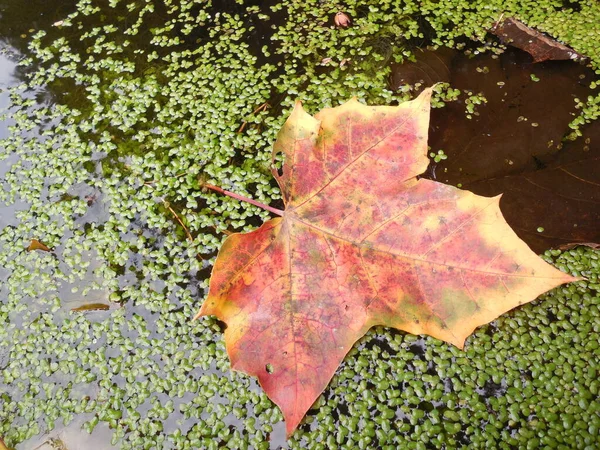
(410,257)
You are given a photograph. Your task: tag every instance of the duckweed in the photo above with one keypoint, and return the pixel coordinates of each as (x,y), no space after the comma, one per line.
(124,110)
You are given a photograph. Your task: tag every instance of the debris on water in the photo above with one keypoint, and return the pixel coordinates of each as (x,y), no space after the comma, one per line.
(342,20)
(538,45)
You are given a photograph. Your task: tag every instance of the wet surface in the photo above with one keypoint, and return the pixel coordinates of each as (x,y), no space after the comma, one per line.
(146,338)
(72,437)
(7,79)
(7,68)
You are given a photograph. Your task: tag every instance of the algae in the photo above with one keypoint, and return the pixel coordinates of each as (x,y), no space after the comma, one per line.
(125,107)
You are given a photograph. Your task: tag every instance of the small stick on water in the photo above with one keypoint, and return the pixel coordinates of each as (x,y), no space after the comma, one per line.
(187,232)
(498,22)
(262,107)
(279,212)
(226,232)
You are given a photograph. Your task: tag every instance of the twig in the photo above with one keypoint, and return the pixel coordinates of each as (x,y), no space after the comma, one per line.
(226,232)
(262,107)
(187,232)
(498,22)
(279,212)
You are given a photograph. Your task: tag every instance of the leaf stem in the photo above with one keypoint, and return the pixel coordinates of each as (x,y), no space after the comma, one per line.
(279,212)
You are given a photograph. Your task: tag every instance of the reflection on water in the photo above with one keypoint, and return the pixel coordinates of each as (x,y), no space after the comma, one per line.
(7,79)
(71,437)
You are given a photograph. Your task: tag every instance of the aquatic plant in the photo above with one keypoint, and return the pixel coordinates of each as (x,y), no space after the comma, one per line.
(124,110)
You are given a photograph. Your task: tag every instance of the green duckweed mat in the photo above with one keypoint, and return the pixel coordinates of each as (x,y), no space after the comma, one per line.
(119,110)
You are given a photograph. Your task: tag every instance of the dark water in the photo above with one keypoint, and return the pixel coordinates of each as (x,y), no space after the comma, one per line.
(515,143)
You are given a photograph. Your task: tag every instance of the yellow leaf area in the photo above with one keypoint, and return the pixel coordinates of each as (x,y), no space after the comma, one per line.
(362,242)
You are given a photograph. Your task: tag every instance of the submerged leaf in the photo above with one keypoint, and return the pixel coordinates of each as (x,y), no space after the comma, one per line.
(37,245)
(362,242)
(429,68)
(513,145)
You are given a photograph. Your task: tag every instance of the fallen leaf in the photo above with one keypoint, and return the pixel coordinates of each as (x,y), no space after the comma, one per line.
(362,242)
(3,445)
(538,45)
(37,245)
(91,307)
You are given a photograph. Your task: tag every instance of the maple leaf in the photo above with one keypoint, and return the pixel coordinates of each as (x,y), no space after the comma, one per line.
(362,242)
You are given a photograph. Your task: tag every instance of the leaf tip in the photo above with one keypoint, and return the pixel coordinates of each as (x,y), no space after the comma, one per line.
(496,199)
(423,100)
(426,93)
(291,425)
(459,342)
